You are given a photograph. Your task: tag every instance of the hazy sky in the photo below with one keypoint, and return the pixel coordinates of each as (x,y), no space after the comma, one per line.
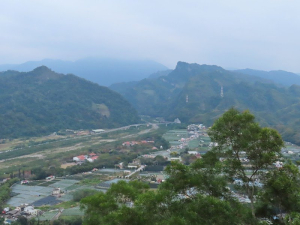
(260,34)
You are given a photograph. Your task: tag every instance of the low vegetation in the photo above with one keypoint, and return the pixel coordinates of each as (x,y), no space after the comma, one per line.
(5,191)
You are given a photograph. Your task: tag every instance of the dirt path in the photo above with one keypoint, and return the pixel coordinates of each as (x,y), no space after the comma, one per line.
(57,215)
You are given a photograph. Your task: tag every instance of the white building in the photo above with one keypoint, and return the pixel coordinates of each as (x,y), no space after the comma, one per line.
(80,158)
(98,131)
(193,153)
(31,210)
(177,120)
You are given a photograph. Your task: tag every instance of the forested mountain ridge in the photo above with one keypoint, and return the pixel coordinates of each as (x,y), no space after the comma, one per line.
(42,101)
(192,93)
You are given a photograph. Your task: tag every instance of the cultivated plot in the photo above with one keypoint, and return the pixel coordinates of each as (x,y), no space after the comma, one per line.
(40,195)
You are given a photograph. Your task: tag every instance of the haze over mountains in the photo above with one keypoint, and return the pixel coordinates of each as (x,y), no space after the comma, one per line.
(278,76)
(192,93)
(103,71)
(42,101)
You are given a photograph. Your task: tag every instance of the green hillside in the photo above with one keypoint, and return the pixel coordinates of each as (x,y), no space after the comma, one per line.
(42,101)
(165,96)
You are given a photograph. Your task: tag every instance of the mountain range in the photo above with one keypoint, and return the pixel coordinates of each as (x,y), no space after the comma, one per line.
(201,93)
(42,101)
(278,76)
(103,71)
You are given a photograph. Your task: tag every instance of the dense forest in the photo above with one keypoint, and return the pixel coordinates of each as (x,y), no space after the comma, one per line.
(192,93)
(42,101)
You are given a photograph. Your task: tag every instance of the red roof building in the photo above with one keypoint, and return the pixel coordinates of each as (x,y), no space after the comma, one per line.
(79,158)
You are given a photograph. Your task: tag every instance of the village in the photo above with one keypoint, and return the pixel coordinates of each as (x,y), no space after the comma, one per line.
(30,197)
(46,199)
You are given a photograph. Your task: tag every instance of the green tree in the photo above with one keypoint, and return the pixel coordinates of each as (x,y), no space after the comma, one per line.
(199,177)
(80,194)
(191,195)
(292,219)
(97,208)
(127,192)
(174,154)
(159,159)
(282,188)
(238,136)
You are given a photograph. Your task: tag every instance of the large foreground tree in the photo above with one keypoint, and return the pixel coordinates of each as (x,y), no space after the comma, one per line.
(191,195)
(198,194)
(246,148)
(282,190)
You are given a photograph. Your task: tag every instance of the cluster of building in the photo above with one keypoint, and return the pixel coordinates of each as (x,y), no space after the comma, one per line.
(195,153)
(132,143)
(84,132)
(278,164)
(23,210)
(196,127)
(82,158)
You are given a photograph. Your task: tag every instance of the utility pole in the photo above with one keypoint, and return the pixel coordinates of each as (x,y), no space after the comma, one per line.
(222,94)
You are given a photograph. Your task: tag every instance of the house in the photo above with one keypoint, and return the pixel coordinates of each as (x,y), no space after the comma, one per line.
(148,156)
(278,164)
(80,158)
(56,191)
(198,156)
(6,209)
(14,212)
(177,120)
(50,177)
(81,133)
(133,165)
(30,210)
(24,182)
(176,159)
(120,165)
(92,159)
(213,144)
(21,207)
(130,143)
(127,144)
(98,131)
(193,153)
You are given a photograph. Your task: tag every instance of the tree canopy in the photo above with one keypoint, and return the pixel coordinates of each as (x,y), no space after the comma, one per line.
(239,138)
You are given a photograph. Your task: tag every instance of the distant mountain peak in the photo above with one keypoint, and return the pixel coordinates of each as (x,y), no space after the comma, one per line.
(184,65)
(42,69)
(43,73)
